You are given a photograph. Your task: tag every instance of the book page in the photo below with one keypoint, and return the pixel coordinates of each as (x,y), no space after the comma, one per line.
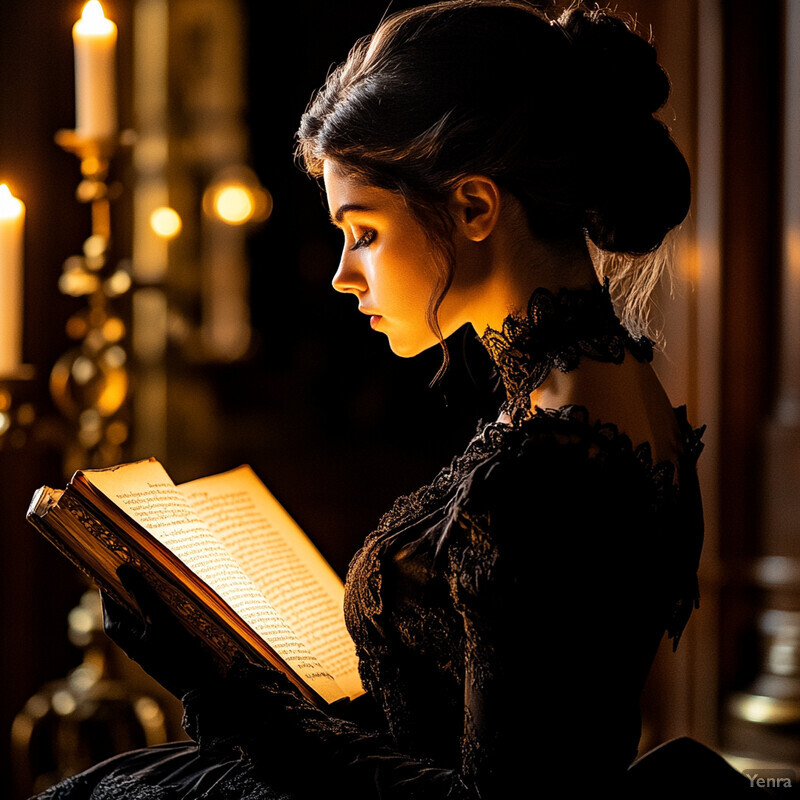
(283,563)
(146,493)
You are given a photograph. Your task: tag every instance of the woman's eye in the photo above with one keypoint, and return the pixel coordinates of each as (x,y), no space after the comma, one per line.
(365,240)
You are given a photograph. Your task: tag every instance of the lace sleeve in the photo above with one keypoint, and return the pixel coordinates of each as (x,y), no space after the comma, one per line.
(554,567)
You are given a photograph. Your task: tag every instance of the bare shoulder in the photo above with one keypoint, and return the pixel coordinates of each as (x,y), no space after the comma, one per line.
(629,395)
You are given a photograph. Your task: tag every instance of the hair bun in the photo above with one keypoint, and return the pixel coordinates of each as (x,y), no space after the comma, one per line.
(617,68)
(635,199)
(636,183)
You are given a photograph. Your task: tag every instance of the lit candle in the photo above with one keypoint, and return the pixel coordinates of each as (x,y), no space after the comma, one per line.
(95,41)
(12,223)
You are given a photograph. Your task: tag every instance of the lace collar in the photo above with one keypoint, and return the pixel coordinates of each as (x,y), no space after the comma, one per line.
(557,330)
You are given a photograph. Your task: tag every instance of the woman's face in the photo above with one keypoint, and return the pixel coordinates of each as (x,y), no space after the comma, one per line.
(387,262)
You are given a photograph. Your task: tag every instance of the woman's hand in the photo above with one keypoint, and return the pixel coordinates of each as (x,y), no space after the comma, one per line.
(156,640)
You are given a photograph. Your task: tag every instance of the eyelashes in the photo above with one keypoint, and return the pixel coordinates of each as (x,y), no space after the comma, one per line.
(364,241)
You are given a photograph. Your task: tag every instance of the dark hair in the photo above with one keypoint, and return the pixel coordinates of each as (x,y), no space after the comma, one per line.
(559,112)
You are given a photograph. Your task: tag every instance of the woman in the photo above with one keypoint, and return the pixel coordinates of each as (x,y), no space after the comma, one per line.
(507,614)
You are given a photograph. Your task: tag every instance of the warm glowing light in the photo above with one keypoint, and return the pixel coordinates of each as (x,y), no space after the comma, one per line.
(93,21)
(236,197)
(10,207)
(234,204)
(166,222)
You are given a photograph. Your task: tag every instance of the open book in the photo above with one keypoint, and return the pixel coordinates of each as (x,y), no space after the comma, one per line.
(226,557)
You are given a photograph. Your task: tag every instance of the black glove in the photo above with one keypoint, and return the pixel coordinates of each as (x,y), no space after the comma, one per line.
(156,640)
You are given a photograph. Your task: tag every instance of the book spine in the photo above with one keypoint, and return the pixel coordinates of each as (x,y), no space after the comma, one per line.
(43,524)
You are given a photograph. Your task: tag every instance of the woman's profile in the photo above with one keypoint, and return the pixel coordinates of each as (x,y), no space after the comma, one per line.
(488,166)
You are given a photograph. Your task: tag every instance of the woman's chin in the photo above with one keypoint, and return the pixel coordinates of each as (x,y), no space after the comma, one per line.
(406,349)
(403,350)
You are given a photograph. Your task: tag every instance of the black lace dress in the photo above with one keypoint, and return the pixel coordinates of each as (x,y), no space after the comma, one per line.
(505,615)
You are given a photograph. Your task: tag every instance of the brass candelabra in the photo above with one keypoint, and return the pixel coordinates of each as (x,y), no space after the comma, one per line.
(89,384)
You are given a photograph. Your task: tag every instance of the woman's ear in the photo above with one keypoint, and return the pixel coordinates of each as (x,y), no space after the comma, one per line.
(475,206)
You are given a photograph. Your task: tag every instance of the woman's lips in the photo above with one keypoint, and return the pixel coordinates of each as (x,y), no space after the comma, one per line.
(374,319)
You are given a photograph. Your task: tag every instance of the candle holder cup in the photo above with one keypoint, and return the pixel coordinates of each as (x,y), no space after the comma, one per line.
(95,153)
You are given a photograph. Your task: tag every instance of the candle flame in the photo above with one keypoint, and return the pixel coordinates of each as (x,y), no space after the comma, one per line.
(10,207)
(93,20)
(93,11)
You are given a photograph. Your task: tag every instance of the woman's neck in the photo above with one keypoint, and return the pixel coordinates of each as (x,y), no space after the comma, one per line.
(555,332)
(518,264)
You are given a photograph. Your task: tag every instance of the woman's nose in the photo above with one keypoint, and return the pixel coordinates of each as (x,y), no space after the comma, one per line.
(349,276)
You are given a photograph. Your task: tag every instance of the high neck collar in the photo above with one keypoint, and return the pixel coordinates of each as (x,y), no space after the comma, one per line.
(556,331)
